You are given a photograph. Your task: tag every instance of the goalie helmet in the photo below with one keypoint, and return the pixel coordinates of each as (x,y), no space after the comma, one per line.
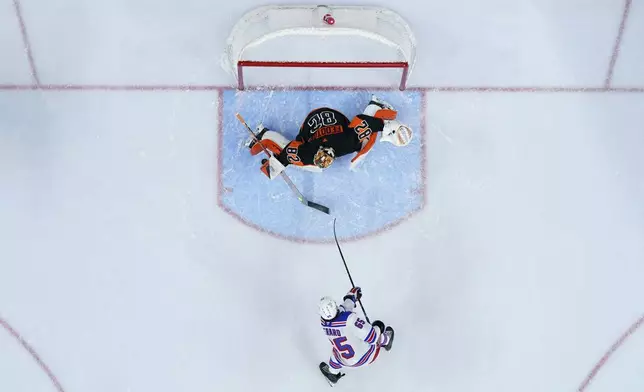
(324,157)
(396,133)
(328,308)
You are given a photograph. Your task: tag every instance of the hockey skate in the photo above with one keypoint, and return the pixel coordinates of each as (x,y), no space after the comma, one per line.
(389,332)
(259,133)
(379,102)
(331,378)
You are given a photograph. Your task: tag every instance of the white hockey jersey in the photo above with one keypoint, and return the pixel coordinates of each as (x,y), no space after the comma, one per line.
(355,342)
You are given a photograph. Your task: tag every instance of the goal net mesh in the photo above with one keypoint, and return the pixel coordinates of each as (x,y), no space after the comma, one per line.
(293,45)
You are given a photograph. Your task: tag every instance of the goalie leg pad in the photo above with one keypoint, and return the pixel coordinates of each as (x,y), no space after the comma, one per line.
(380,109)
(272,141)
(277,138)
(268,144)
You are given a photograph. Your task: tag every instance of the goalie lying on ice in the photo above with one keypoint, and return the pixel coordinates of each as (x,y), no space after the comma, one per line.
(327,134)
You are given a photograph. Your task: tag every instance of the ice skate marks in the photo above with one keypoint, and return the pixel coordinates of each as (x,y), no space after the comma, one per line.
(387,188)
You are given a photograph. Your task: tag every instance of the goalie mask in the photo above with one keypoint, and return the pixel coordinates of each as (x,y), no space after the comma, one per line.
(324,157)
(396,133)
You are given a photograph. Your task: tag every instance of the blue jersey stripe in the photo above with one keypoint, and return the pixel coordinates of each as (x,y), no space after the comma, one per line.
(334,364)
(365,357)
(371,337)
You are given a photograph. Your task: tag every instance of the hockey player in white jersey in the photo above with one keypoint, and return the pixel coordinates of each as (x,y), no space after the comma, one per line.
(355,342)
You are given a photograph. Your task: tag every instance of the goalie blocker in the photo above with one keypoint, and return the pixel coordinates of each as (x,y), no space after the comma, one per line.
(327,134)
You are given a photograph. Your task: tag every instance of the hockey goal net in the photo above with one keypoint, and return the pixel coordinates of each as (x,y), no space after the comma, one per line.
(319,45)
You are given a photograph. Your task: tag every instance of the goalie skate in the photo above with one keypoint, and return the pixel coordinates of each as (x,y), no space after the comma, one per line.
(377,101)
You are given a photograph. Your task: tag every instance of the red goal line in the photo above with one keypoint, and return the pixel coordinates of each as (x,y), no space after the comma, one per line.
(322,64)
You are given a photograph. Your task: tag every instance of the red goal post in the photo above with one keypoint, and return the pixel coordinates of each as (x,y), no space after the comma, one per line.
(360,37)
(322,64)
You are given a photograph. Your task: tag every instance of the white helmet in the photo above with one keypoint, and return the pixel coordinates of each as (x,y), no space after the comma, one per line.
(396,133)
(328,308)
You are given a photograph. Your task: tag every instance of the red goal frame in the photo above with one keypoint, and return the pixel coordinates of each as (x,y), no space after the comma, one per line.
(322,64)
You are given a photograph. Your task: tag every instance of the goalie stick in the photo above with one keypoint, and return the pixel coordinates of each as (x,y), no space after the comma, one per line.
(286,178)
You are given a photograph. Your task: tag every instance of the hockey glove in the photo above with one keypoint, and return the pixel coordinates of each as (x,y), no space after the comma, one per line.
(354,294)
(379,324)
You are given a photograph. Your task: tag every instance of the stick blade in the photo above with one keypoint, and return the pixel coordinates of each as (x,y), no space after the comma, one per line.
(318,207)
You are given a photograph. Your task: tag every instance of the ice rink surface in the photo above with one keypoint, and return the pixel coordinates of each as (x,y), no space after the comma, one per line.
(382,192)
(142,250)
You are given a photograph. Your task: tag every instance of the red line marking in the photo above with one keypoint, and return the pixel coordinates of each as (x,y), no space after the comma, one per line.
(618,44)
(445,89)
(328,88)
(610,352)
(81,87)
(26,43)
(423,147)
(324,64)
(33,354)
(535,89)
(220,140)
(316,241)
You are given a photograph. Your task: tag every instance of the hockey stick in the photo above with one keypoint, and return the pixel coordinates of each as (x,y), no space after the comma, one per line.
(286,178)
(347,268)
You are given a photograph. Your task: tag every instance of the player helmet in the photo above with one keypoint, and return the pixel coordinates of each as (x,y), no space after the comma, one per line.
(324,157)
(396,133)
(328,308)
